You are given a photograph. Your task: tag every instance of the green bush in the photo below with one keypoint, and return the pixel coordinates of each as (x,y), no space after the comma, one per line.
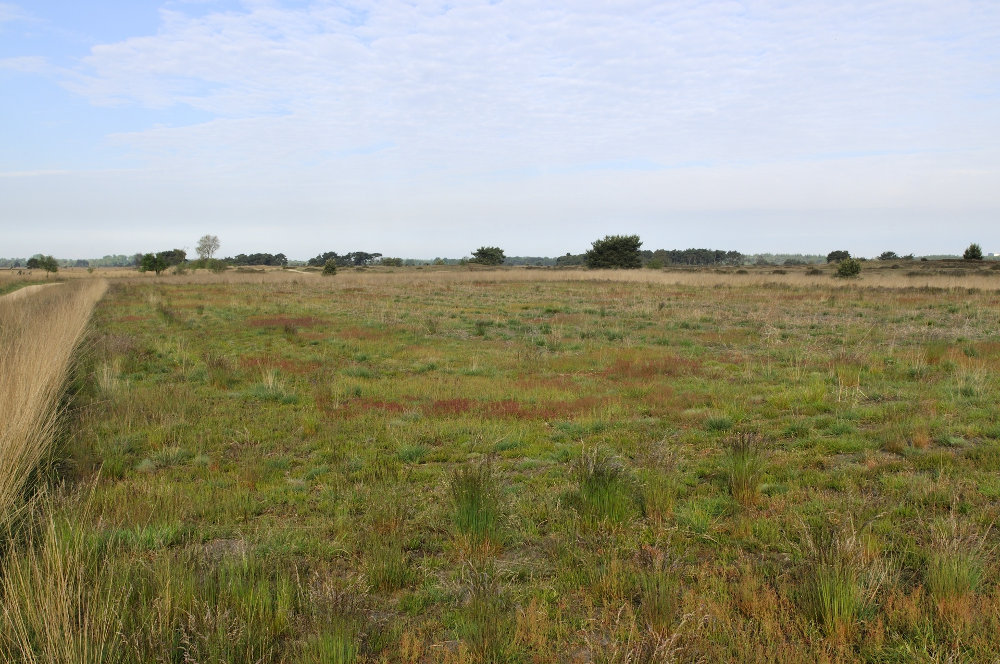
(329,268)
(848,268)
(973,253)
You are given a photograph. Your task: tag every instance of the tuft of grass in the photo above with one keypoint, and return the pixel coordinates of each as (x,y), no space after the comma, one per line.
(955,566)
(844,576)
(476,501)
(59,601)
(745,467)
(605,488)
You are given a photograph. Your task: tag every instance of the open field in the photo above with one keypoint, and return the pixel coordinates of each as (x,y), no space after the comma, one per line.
(526,466)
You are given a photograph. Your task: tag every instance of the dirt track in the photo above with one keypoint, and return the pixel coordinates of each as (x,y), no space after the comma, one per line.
(23,292)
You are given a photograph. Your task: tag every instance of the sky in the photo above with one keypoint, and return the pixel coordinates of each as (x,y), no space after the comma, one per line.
(422,128)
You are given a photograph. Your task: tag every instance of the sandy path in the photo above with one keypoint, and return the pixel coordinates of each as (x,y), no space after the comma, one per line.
(23,292)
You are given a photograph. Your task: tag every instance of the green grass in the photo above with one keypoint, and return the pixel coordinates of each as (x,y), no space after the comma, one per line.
(464,469)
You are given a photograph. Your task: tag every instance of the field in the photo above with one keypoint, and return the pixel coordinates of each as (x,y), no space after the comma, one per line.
(522,466)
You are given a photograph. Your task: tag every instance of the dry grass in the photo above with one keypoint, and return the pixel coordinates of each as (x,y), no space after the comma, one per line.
(38,333)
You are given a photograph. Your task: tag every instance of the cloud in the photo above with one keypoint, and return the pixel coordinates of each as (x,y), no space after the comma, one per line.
(479,86)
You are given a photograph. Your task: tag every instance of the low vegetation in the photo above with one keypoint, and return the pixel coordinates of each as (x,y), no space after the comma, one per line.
(522,466)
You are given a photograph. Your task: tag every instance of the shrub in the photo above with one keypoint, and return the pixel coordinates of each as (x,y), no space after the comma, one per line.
(329,267)
(848,268)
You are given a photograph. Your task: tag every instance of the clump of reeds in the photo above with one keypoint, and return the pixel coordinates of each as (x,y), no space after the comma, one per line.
(607,491)
(476,501)
(38,335)
(844,577)
(745,467)
(956,565)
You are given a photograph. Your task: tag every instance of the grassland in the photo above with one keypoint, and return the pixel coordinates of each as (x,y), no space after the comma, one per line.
(526,466)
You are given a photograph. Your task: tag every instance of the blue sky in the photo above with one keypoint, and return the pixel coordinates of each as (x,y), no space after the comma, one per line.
(430,128)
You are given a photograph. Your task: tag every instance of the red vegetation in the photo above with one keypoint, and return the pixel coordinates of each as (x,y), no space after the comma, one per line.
(650,368)
(285,321)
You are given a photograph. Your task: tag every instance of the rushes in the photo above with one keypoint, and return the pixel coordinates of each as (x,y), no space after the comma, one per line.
(745,467)
(955,566)
(476,501)
(606,490)
(844,575)
(38,334)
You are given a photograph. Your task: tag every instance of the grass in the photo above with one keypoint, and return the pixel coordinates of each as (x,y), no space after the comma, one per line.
(275,467)
(476,501)
(38,335)
(745,467)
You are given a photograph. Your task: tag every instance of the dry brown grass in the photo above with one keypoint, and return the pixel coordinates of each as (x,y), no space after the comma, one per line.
(38,333)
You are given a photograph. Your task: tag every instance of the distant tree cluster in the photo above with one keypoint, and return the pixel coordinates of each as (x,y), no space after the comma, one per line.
(354,258)
(973,253)
(277,260)
(693,257)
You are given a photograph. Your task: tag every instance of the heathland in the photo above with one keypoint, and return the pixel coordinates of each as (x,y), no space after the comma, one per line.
(520,466)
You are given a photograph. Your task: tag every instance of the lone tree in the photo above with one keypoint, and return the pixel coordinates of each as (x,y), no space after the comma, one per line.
(615,251)
(973,253)
(837,256)
(888,256)
(40,262)
(153,263)
(207,246)
(488,256)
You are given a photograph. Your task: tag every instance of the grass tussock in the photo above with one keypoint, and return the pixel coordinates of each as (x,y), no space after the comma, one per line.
(845,575)
(38,334)
(606,490)
(59,602)
(745,467)
(476,501)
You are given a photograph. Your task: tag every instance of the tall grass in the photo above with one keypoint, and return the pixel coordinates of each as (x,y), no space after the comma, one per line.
(38,334)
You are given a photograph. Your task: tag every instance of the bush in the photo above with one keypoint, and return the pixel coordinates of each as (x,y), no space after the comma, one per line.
(848,268)
(329,267)
(973,253)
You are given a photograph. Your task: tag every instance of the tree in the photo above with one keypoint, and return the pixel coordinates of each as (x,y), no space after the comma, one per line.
(848,268)
(330,267)
(888,256)
(615,251)
(173,256)
(838,255)
(488,256)
(40,262)
(973,253)
(153,263)
(207,246)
